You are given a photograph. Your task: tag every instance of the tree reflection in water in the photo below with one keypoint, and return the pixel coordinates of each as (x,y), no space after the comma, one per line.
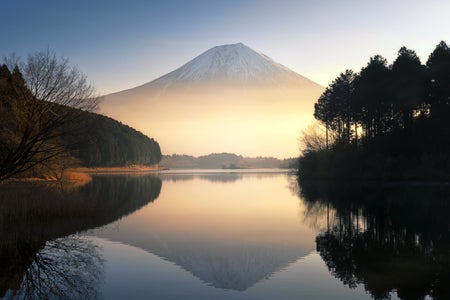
(391,238)
(40,257)
(66,268)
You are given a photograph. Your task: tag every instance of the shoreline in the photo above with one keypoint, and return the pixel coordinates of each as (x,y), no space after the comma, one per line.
(82,175)
(126,169)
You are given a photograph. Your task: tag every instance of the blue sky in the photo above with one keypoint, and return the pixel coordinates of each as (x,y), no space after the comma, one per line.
(122,44)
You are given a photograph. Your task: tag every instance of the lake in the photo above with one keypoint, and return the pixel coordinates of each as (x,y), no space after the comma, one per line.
(224,234)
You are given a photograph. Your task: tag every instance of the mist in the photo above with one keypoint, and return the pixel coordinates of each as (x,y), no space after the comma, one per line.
(202,119)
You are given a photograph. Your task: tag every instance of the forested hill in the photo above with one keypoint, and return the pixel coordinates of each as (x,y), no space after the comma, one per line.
(44,132)
(106,142)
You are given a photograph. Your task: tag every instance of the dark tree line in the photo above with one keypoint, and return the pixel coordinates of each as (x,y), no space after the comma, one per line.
(397,114)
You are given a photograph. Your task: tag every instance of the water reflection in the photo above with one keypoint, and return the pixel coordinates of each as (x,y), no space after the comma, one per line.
(65,268)
(224,235)
(220,175)
(38,258)
(230,237)
(390,238)
(221,178)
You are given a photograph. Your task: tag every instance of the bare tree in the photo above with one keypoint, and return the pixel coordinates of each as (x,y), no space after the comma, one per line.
(313,138)
(40,105)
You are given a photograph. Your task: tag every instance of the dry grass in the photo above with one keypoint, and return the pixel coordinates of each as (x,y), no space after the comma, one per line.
(131,168)
(71,178)
(77,177)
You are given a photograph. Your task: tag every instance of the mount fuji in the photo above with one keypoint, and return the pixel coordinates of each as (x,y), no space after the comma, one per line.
(230,98)
(231,64)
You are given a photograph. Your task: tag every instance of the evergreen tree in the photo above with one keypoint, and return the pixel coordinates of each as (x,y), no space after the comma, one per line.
(323,112)
(334,107)
(404,113)
(408,87)
(371,96)
(438,65)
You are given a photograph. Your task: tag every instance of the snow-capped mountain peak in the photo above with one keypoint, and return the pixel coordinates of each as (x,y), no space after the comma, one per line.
(233,62)
(235,98)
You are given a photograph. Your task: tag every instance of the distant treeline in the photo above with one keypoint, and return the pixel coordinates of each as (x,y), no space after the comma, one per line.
(385,122)
(223,161)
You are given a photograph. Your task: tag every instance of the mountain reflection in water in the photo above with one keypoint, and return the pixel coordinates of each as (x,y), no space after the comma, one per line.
(221,235)
(391,237)
(230,238)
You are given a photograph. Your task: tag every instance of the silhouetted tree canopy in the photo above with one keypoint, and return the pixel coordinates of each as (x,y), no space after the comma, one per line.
(387,121)
(438,65)
(334,107)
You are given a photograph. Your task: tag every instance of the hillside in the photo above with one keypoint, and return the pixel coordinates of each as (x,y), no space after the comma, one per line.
(42,137)
(106,142)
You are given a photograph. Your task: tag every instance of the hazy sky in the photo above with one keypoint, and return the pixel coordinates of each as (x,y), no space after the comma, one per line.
(122,44)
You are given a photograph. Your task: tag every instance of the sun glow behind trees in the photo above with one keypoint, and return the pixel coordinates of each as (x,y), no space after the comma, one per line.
(403,110)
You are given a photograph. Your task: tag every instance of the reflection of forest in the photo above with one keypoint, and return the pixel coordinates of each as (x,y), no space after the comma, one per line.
(34,219)
(65,268)
(388,237)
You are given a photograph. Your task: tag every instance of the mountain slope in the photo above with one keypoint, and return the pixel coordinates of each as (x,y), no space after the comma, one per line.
(235,63)
(228,99)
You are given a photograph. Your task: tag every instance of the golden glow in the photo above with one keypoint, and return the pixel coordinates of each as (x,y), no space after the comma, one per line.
(258,122)
(230,230)
(254,210)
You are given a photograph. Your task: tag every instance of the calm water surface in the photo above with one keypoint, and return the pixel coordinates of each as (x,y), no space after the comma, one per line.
(223,235)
